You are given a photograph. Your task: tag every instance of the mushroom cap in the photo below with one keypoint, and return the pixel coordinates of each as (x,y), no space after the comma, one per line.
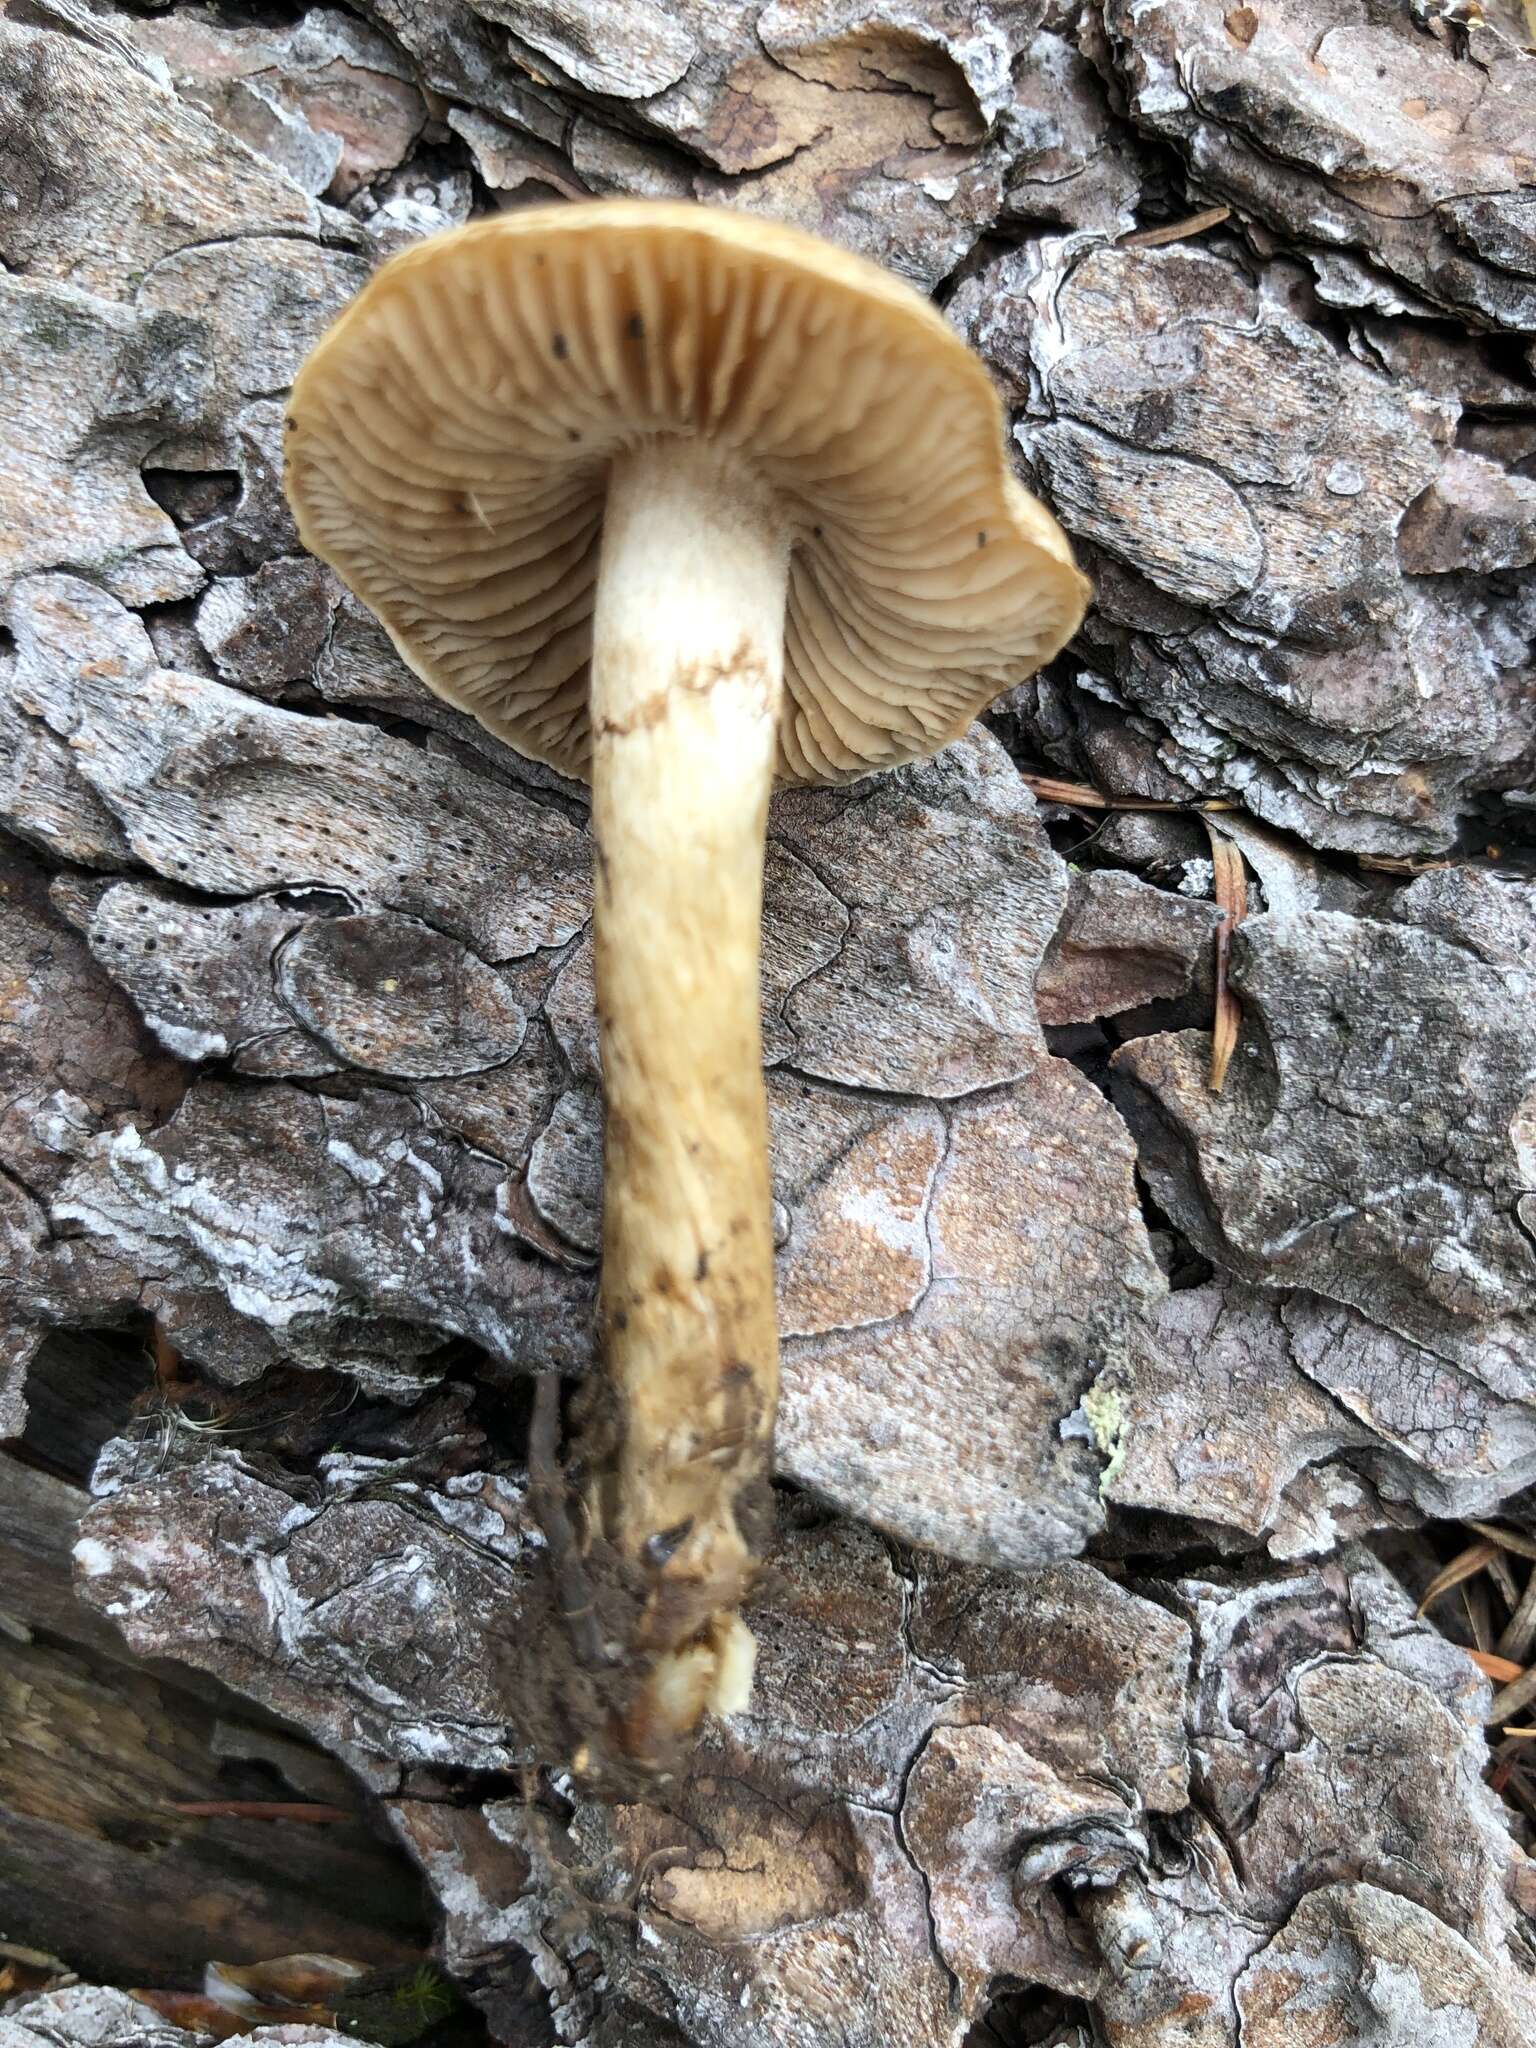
(449,441)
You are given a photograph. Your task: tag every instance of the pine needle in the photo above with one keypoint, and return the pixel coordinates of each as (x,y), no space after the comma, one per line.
(1509,1699)
(1231,885)
(1193,224)
(1465,1565)
(1051,789)
(1502,1670)
(1506,1539)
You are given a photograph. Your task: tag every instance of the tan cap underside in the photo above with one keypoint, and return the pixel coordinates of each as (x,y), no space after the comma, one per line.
(450,439)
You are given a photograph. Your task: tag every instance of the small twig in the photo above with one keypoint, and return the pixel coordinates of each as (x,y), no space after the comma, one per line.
(1177,230)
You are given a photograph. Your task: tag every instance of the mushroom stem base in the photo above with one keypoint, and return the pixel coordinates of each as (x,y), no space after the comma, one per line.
(687,678)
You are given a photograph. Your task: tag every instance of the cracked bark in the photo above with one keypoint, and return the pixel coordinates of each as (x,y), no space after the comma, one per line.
(297,1053)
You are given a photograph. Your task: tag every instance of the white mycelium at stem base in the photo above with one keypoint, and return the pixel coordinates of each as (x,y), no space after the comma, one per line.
(687,675)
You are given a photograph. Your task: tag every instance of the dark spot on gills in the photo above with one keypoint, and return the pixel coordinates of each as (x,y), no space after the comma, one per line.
(560,348)
(701,1270)
(981,540)
(634,327)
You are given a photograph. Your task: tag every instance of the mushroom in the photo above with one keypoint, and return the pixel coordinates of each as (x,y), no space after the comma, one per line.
(679,500)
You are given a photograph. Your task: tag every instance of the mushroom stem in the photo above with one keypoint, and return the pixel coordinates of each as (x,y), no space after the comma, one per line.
(687,677)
